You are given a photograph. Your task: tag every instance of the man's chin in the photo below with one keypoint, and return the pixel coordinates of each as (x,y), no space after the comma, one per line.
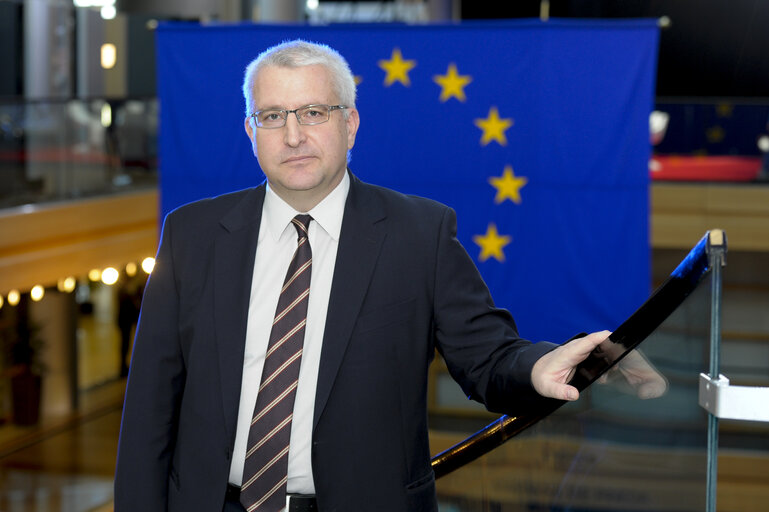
(306,180)
(306,184)
(303,185)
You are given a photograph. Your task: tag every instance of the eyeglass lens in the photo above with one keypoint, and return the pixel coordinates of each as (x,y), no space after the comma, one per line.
(311,114)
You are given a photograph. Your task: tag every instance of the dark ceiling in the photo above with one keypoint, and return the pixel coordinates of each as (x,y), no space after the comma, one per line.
(712,48)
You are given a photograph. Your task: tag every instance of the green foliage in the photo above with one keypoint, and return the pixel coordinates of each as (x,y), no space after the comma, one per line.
(20,340)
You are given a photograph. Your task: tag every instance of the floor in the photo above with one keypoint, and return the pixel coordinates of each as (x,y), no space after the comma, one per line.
(63,464)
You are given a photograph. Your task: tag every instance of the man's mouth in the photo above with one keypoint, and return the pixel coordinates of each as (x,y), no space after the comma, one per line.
(297,158)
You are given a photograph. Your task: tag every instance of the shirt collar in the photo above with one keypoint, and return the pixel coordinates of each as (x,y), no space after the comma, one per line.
(328,213)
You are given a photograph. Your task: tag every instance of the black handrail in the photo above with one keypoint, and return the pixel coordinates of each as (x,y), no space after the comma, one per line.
(665,299)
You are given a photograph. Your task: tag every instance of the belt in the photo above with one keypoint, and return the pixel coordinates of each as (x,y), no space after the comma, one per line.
(296,502)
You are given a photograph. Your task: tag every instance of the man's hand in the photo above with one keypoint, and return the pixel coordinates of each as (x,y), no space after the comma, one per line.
(554,370)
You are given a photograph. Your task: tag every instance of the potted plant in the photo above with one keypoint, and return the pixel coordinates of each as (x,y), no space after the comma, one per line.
(23,345)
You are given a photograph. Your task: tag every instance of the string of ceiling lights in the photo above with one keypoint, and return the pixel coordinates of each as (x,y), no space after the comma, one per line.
(108,276)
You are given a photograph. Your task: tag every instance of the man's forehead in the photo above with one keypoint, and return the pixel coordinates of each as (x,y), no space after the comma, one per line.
(291,87)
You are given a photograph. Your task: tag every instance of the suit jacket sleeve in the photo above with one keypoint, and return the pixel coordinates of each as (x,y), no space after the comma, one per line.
(480,342)
(153,394)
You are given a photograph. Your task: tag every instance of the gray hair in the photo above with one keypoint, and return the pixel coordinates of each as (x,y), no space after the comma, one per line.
(299,53)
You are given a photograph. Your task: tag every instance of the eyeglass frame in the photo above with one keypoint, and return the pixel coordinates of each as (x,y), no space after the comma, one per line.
(330,108)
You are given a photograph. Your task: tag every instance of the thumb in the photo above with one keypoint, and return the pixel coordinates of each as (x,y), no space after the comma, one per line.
(562,392)
(569,393)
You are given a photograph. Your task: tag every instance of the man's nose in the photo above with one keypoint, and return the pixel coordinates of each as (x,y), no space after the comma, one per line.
(293,132)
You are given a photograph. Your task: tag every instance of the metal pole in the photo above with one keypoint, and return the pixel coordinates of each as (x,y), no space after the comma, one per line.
(716,255)
(544,10)
(441,10)
(280,10)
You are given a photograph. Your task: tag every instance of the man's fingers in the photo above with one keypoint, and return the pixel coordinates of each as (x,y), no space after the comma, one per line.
(556,388)
(583,346)
(554,370)
(594,339)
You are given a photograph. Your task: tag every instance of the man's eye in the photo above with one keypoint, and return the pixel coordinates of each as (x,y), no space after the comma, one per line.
(316,114)
(272,116)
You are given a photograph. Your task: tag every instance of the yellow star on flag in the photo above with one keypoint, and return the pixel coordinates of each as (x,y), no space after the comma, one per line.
(494,127)
(452,84)
(397,69)
(724,110)
(491,244)
(715,134)
(508,185)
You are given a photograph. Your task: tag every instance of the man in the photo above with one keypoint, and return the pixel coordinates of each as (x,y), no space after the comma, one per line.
(389,284)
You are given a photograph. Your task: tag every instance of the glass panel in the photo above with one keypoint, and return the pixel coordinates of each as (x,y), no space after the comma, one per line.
(611,450)
(59,150)
(710,140)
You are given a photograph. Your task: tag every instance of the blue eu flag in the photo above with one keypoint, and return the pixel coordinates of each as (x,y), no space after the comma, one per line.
(535,133)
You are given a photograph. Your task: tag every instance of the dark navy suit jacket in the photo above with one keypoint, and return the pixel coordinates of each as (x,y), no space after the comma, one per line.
(402,287)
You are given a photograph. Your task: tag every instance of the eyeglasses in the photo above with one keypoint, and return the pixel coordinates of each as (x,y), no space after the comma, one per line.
(307,115)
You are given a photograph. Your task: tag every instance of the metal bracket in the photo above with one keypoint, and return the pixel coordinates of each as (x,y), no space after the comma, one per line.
(733,402)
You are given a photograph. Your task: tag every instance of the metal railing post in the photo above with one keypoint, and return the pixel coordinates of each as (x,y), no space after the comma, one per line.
(717,259)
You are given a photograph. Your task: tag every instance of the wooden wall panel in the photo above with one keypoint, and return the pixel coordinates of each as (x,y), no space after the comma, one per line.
(682,212)
(40,244)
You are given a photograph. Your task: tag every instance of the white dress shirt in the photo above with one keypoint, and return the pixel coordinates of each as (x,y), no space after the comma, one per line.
(274,250)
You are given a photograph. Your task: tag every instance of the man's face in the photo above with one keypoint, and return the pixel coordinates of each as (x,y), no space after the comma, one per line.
(303,163)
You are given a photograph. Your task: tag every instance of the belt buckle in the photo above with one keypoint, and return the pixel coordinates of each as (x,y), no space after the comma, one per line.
(300,503)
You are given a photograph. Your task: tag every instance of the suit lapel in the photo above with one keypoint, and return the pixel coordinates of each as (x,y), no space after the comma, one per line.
(360,242)
(234,252)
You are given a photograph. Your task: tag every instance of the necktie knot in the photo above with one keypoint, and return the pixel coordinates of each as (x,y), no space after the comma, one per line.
(302,224)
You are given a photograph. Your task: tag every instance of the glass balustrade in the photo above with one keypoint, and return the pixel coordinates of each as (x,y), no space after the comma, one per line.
(69,149)
(612,449)
(637,440)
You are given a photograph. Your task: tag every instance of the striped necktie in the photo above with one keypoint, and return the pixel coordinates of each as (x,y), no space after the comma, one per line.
(266,464)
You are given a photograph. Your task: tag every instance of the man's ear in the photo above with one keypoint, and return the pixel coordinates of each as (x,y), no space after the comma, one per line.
(353,122)
(250,128)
